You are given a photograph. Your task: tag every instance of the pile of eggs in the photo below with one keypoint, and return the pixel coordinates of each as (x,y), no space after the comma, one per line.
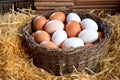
(65,31)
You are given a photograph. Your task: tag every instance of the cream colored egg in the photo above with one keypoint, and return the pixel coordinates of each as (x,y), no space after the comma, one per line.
(53,26)
(88,35)
(73,17)
(59,36)
(88,23)
(72,42)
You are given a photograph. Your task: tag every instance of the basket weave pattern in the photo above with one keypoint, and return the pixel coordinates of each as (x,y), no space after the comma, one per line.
(56,61)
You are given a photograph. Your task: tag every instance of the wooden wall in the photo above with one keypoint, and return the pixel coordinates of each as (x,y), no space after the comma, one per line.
(109,6)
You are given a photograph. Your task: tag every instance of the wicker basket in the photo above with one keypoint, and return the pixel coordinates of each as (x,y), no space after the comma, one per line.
(6,5)
(56,61)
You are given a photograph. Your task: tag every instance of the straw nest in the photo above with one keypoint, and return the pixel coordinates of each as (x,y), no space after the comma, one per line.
(15,63)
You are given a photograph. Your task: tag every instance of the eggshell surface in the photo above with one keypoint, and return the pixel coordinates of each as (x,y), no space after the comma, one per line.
(39,22)
(72,28)
(40,36)
(73,17)
(58,37)
(88,45)
(88,23)
(88,35)
(100,34)
(48,45)
(57,16)
(53,26)
(72,42)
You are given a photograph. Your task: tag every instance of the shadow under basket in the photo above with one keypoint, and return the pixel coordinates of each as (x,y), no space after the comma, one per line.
(57,61)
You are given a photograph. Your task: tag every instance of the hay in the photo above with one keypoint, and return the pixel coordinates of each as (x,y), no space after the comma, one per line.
(112,60)
(15,63)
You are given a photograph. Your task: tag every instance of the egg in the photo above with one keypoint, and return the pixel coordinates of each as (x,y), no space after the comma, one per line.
(58,37)
(88,45)
(88,35)
(73,17)
(72,42)
(57,16)
(33,34)
(53,26)
(72,28)
(100,34)
(88,23)
(39,22)
(48,45)
(40,36)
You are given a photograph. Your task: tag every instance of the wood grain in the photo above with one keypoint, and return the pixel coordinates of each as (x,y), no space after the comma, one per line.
(108,5)
(53,4)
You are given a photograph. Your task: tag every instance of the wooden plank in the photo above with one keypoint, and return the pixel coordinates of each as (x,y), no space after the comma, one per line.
(76,0)
(88,10)
(53,4)
(42,0)
(96,6)
(53,0)
(63,0)
(48,5)
(47,8)
(97,2)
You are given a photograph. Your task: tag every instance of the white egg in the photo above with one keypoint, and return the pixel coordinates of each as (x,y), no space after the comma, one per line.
(89,23)
(72,42)
(88,35)
(59,36)
(73,17)
(54,25)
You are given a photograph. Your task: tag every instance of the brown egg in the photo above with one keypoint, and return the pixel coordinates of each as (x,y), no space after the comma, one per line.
(40,36)
(57,16)
(48,45)
(39,22)
(88,44)
(100,34)
(32,34)
(65,26)
(72,28)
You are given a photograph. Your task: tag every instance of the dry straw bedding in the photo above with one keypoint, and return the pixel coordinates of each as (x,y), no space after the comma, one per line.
(15,63)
